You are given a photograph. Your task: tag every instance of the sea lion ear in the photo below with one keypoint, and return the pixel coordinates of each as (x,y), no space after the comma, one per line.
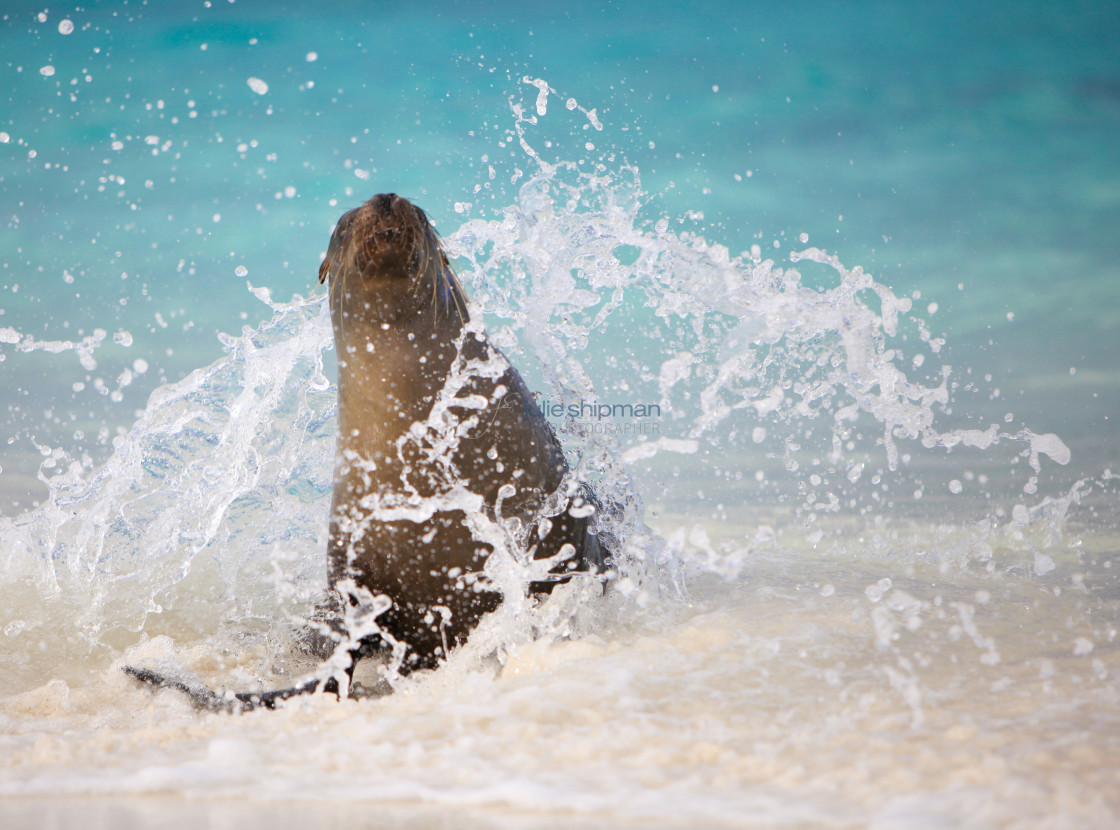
(324,270)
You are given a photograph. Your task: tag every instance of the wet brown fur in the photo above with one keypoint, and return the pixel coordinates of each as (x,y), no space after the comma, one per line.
(398,313)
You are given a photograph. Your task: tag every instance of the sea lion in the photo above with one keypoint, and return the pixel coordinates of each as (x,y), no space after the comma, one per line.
(442,453)
(440,443)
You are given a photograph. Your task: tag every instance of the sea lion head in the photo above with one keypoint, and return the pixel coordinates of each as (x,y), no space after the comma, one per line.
(385,262)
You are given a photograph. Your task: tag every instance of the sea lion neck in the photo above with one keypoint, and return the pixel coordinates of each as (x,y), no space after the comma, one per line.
(395,369)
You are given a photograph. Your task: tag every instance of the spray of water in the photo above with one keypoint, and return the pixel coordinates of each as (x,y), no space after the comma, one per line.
(209,520)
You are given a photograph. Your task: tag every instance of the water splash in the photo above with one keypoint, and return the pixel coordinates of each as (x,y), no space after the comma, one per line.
(214,505)
(182,520)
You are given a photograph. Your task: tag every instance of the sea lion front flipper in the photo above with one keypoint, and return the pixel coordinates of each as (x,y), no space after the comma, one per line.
(251,700)
(208,700)
(200,696)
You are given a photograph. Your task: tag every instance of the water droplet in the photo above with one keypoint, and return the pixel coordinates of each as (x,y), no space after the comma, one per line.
(875,592)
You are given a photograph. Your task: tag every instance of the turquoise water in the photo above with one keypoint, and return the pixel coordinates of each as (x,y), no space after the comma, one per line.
(970,156)
(596,171)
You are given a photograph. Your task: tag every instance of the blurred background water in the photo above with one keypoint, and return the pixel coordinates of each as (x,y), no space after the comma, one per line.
(157,158)
(966,154)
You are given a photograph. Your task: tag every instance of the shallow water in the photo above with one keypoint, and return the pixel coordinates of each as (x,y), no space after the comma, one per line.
(867,535)
(792,695)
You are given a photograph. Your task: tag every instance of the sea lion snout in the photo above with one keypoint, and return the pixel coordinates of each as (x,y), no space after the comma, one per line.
(381,238)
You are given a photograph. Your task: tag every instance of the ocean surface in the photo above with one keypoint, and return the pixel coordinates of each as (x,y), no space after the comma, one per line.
(824,299)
